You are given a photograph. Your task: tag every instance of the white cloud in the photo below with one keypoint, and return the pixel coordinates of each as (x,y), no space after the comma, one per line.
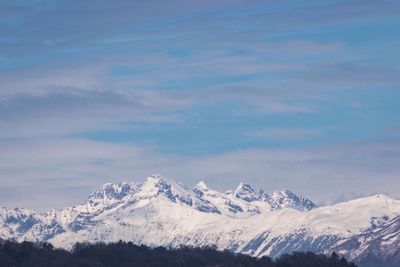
(40,170)
(284,133)
(60,81)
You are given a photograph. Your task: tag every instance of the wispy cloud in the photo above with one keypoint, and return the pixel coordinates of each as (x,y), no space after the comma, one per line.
(284,133)
(202,73)
(353,75)
(52,165)
(61,112)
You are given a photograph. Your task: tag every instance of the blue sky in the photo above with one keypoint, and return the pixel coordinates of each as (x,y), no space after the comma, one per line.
(301,95)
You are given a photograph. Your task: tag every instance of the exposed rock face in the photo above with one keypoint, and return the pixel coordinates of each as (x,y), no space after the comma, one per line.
(160,212)
(376,247)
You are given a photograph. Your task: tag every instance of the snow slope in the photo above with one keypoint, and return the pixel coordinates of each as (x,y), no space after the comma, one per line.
(375,247)
(161,212)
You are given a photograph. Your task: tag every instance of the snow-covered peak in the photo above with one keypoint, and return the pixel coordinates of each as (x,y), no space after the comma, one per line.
(382,196)
(154,179)
(379,201)
(287,199)
(161,212)
(150,186)
(111,192)
(246,193)
(242,187)
(202,185)
(157,185)
(283,194)
(201,188)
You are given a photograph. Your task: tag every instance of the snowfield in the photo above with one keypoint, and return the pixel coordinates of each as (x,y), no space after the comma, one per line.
(160,212)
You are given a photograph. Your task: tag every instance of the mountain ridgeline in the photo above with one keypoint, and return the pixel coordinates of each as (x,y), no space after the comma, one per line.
(161,212)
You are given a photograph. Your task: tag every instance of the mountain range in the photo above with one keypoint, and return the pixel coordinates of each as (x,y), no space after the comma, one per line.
(161,212)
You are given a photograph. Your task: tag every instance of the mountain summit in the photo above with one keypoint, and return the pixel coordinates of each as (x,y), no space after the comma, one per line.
(162,212)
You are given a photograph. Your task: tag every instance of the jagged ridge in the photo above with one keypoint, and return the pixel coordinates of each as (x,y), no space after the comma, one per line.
(163,212)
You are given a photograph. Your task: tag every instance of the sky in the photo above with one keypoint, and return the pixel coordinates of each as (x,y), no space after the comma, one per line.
(298,95)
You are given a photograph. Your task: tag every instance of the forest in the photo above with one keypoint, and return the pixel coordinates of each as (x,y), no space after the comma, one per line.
(127,254)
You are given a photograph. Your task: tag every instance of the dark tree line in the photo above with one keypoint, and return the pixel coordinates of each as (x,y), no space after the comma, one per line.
(130,255)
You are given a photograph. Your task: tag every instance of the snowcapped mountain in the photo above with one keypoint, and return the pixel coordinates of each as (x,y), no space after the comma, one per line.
(160,212)
(379,246)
